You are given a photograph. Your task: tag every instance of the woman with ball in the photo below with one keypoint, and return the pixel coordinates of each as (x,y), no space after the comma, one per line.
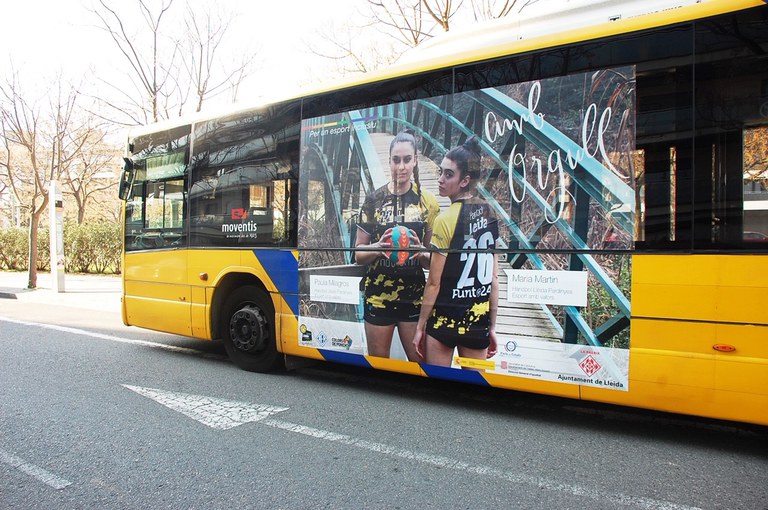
(394,219)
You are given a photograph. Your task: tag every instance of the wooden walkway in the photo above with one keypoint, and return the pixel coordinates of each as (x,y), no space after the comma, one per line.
(516,320)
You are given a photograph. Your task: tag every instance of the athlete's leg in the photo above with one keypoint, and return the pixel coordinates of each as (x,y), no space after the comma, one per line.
(407,330)
(379,339)
(437,353)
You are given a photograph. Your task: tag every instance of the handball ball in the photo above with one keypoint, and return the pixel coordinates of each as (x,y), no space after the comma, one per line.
(400,239)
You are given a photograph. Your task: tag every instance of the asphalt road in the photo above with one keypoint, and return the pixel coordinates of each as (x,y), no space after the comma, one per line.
(97,415)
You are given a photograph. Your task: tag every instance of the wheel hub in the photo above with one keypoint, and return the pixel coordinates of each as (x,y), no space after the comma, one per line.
(248,329)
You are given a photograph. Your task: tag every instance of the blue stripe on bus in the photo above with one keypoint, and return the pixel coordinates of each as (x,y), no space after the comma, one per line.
(283,269)
(453,374)
(346,358)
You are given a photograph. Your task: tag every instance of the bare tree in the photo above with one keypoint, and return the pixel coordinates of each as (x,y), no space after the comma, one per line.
(207,31)
(756,156)
(442,11)
(177,61)
(88,179)
(40,140)
(6,189)
(406,24)
(351,50)
(401,19)
(492,9)
(152,67)
(391,27)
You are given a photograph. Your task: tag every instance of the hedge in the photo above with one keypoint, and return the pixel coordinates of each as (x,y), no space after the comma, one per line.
(88,248)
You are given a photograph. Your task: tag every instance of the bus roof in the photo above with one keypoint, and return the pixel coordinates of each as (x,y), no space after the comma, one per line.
(538,20)
(575,21)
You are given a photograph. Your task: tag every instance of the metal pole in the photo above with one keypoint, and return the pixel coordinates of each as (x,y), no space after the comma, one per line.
(56,210)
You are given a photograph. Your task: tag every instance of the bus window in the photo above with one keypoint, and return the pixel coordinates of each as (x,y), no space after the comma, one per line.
(731,157)
(756,185)
(244,180)
(155,212)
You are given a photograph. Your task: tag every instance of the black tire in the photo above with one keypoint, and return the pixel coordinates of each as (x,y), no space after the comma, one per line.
(248,330)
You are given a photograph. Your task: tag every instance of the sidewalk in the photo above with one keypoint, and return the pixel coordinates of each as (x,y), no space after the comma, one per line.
(95,292)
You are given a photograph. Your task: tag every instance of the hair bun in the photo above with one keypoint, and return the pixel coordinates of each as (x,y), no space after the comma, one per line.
(472,144)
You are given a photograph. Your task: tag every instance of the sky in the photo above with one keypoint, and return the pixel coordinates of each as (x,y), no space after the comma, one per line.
(43,37)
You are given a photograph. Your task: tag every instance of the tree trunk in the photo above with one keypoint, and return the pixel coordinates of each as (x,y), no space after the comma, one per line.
(32,267)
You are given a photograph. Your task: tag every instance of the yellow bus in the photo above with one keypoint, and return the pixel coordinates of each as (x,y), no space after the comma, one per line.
(604,239)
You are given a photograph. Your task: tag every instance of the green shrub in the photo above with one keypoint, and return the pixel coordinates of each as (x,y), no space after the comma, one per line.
(15,243)
(88,248)
(92,247)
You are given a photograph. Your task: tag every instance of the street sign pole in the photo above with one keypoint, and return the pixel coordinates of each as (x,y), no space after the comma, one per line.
(56,210)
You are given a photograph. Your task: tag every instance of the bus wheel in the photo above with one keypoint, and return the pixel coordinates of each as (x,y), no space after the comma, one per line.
(249,330)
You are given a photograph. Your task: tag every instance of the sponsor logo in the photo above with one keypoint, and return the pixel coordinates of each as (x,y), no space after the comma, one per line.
(240,228)
(322,339)
(239,214)
(306,334)
(590,365)
(510,346)
(480,364)
(345,342)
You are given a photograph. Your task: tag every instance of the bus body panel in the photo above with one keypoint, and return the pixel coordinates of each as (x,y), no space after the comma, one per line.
(156,291)
(199,312)
(683,307)
(717,288)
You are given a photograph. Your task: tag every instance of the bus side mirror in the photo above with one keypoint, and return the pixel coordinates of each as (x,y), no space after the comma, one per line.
(126,180)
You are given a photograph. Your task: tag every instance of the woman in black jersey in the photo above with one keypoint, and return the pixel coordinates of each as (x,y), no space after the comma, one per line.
(393,291)
(462,292)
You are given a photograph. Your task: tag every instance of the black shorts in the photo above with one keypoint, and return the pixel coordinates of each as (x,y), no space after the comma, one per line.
(391,314)
(469,340)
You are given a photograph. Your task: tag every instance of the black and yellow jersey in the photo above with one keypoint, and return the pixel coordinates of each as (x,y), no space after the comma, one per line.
(462,307)
(387,284)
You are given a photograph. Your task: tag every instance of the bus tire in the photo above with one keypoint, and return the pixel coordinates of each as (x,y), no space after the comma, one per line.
(249,330)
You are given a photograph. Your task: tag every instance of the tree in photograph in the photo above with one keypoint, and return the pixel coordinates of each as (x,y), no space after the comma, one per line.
(6,202)
(401,19)
(373,38)
(350,50)
(756,156)
(441,11)
(171,57)
(206,34)
(153,65)
(89,179)
(389,28)
(41,138)
(493,9)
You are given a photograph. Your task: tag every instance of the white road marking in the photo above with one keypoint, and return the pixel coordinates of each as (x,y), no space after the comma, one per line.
(213,412)
(251,412)
(111,338)
(223,414)
(41,474)
(448,463)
